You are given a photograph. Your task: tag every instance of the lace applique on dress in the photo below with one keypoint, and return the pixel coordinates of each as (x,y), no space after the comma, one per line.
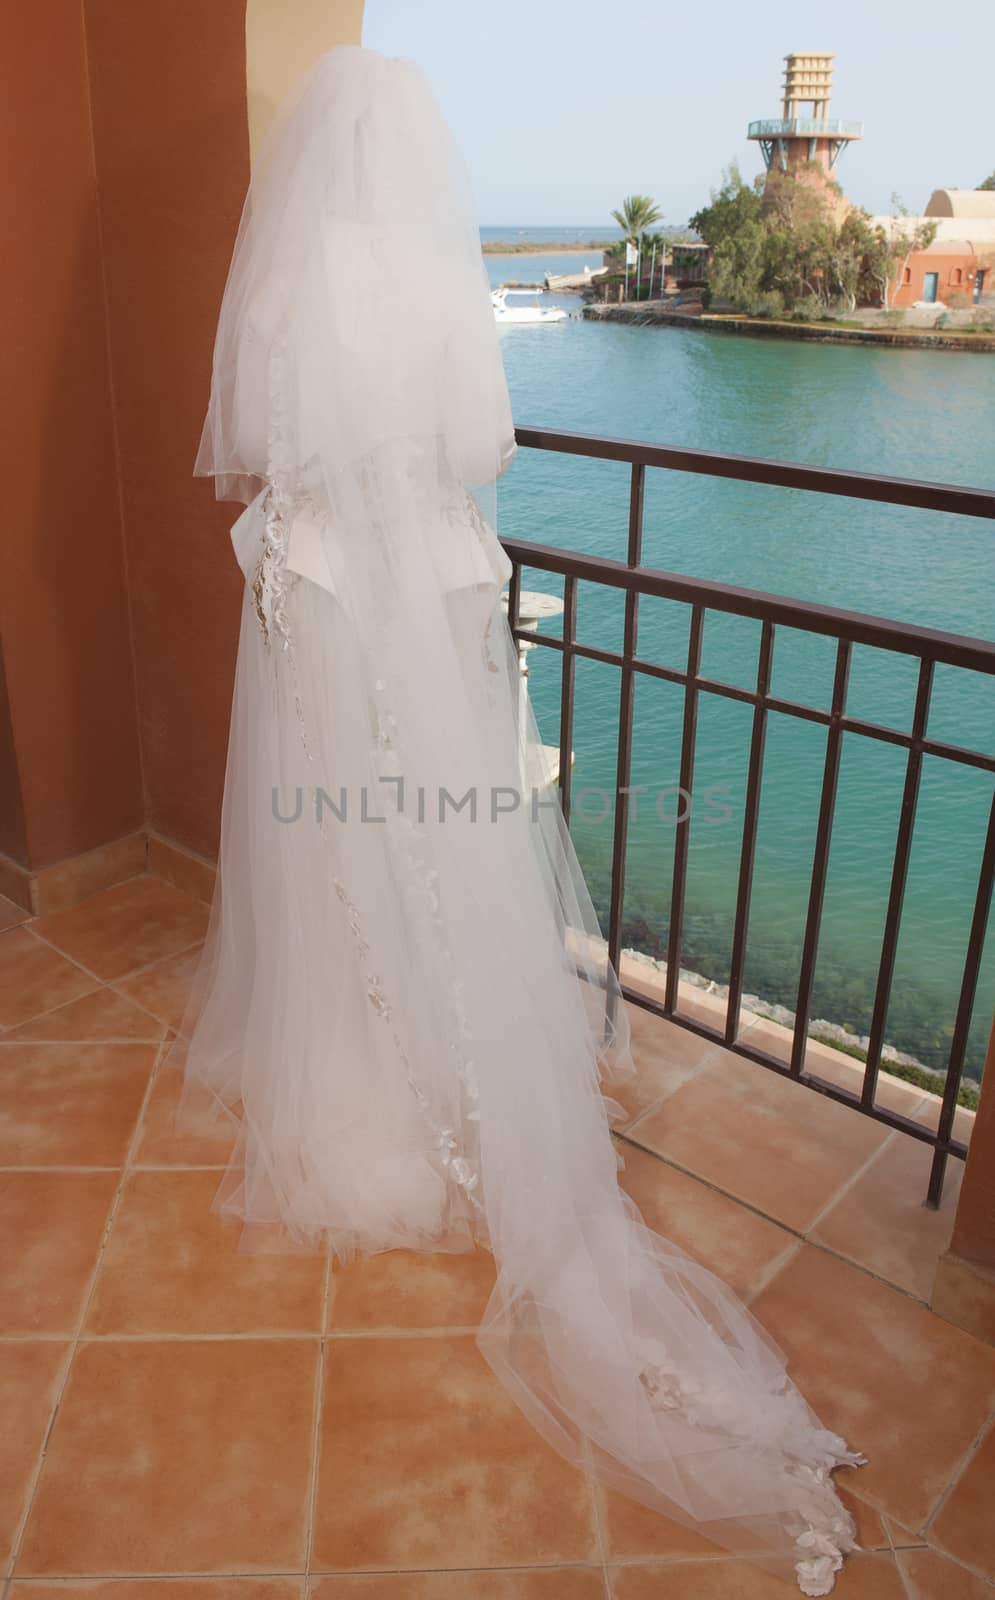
(451,1154)
(270,587)
(809,1455)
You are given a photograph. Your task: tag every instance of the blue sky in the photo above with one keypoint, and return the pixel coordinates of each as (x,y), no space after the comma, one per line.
(562,110)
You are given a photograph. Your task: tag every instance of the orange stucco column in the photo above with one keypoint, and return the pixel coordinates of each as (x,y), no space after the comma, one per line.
(964,1291)
(974,1227)
(172,151)
(126,138)
(70,775)
(176,91)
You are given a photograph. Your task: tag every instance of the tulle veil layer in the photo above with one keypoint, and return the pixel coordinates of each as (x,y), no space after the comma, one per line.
(405,1003)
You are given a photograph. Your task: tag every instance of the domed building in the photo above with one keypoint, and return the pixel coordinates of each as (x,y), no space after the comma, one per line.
(958,267)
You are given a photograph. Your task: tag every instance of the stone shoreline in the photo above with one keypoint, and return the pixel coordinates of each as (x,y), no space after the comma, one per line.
(650,313)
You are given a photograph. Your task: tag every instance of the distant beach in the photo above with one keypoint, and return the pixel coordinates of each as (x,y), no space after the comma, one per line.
(535,247)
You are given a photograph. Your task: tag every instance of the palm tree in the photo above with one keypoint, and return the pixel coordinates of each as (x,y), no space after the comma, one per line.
(639,212)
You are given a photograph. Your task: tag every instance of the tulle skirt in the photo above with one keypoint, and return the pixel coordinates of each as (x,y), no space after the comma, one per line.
(406,1008)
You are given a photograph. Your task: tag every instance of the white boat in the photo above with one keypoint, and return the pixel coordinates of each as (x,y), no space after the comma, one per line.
(537,313)
(564,282)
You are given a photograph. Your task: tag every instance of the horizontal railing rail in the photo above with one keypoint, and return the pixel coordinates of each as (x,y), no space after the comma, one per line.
(929,647)
(755,469)
(807,127)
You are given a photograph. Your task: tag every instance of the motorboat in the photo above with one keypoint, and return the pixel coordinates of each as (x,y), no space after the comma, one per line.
(566,282)
(527,313)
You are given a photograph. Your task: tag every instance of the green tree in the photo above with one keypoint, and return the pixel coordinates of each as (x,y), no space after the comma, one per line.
(777,244)
(644,244)
(989,182)
(734,205)
(638,212)
(733,228)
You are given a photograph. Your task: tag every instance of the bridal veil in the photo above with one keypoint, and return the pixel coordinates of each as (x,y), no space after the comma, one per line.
(405,1002)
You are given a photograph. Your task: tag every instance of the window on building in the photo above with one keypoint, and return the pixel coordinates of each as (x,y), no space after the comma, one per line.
(907,276)
(957,275)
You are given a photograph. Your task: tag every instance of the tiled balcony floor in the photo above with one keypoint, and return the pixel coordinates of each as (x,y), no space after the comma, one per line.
(259,1428)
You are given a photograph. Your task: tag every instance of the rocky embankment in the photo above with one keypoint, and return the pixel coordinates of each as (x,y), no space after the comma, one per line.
(657,314)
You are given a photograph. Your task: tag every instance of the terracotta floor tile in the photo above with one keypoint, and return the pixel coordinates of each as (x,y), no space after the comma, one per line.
(908,1389)
(881,1222)
(171,1266)
(163,988)
(97,1016)
(11,913)
(203,1140)
(965,1526)
(405,1289)
(774,1144)
(177,1455)
(426,1462)
(727,1238)
(126,927)
(930,1576)
(34,977)
(550,1583)
(872,1533)
(70,1105)
(864,1577)
(29,1376)
(836,1067)
(51,1225)
(666,1055)
(633,1531)
(161,1589)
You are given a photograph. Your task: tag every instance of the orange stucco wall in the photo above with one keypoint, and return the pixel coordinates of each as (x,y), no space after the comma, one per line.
(69,740)
(172,151)
(974,1228)
(125,154)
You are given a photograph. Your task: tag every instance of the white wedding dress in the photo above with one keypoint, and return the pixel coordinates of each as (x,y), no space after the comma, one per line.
(405,1001)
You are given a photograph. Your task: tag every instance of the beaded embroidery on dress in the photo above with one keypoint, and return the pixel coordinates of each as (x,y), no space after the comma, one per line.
(405,1003)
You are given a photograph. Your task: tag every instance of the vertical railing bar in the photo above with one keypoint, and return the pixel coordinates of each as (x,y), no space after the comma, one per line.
(899,879)
(917,745)
(748,846)
(514,597)
(965,1007)
(683,825)
(820,860)
(567,676)
(626,698)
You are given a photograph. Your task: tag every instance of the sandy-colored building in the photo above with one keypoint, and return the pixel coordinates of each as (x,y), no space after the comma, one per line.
(958,267)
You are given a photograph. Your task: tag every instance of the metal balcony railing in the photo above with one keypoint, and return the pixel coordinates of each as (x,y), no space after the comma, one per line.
(806,127)
(929,647)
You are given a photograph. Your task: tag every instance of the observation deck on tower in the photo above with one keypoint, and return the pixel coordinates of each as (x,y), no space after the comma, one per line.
(793,139)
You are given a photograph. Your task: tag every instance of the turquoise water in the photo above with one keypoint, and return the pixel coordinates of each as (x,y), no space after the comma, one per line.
(914,413)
